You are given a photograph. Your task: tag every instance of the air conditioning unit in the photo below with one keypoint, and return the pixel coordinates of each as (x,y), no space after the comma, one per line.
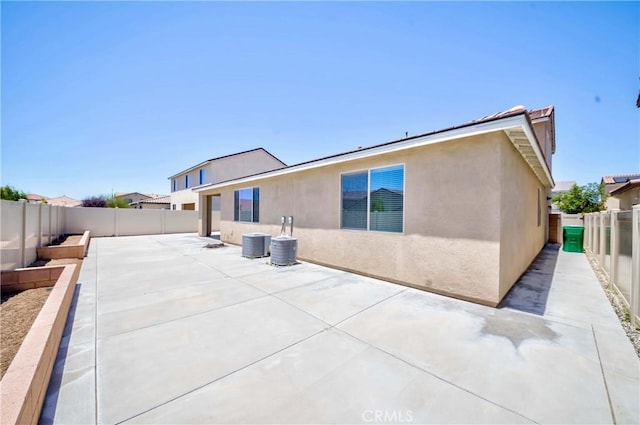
(255,245)
(283,250)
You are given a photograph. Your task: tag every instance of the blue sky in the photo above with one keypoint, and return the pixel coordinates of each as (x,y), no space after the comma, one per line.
(120,95)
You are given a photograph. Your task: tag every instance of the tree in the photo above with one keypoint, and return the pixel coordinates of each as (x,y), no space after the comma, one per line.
(11,193)
(581,199)
(114,202)
(95,202)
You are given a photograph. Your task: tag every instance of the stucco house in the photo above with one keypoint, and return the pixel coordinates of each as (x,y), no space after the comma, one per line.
(132,197)
(460,211)
(155,203)
(65,201)
(34,198)
(620,200)
(627,195)
(216,170)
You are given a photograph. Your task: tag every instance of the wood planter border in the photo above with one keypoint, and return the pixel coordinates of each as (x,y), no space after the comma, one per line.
(24,385)
(78,250)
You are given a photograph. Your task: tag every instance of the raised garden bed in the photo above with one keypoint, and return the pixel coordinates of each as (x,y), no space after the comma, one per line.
(35,302)
(72,246)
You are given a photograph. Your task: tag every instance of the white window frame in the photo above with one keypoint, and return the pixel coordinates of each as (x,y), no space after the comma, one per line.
(252,201)
(368,171)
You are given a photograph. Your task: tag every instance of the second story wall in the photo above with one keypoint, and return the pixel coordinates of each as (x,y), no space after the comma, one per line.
(544,134)
(226,168)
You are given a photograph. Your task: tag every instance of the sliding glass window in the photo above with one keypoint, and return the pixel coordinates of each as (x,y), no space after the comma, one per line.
(373,199)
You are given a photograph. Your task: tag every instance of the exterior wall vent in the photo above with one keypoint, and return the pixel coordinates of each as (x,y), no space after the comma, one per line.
(283,250)
(255,245)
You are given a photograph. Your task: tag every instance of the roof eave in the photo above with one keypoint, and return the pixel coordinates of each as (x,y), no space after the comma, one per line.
(521,120)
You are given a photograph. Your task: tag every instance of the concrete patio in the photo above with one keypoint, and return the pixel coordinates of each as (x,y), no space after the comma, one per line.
(163,330)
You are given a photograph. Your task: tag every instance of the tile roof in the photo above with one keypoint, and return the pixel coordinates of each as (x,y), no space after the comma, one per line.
(512,112)
(35,197)
(64,201)
(626,186)
(620,178)
(158,200)
(535,114)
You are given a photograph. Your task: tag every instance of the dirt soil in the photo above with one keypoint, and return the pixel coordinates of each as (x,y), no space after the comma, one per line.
(18,312)
(67,240)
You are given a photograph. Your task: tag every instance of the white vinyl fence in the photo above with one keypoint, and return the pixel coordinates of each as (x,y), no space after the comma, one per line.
(25,227)
(613,239)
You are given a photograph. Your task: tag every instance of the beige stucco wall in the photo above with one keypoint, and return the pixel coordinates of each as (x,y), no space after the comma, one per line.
(543,132)
(133,197)
(521,238)
(185,196)
(625,200)
(470,227)
(451,236)
(145,206)
(222,169)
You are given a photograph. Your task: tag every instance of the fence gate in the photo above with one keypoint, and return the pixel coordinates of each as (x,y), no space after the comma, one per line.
(555,233)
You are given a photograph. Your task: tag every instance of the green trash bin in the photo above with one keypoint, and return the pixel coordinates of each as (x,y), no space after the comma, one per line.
(572,237)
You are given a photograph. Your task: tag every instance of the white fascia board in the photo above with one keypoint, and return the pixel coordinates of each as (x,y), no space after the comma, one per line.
(444,136)
(533,141)
(190,169)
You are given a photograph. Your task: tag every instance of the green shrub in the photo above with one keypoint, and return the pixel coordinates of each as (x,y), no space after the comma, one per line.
(581,199)
(12,194)
(114,202)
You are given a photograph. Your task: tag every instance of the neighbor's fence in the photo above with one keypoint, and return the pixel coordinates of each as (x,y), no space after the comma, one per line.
(26,227)
(613,239)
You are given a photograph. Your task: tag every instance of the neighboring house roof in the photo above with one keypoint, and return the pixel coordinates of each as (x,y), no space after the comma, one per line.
(223,157)
(64,201)
(159,200)
(515,122)
(620,178)
(35,197)
(626,186)
(611,183)
(125,194)
(563,186)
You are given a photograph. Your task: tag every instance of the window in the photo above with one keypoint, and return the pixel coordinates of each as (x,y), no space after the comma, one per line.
(175,185)
(373,199)
(246,205)
(173,206)
(186,181)
(202,175)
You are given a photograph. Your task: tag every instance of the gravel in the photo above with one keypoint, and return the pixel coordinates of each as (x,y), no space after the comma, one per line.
(618,304)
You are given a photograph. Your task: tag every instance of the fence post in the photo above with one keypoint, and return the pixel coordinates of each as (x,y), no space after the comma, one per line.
(591,226)
(635,265)
(115,221)
(602,241)
(587,232)
(39,225)
(23,232)
(162,221)
(613,265)
(49,232)
(588,225)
